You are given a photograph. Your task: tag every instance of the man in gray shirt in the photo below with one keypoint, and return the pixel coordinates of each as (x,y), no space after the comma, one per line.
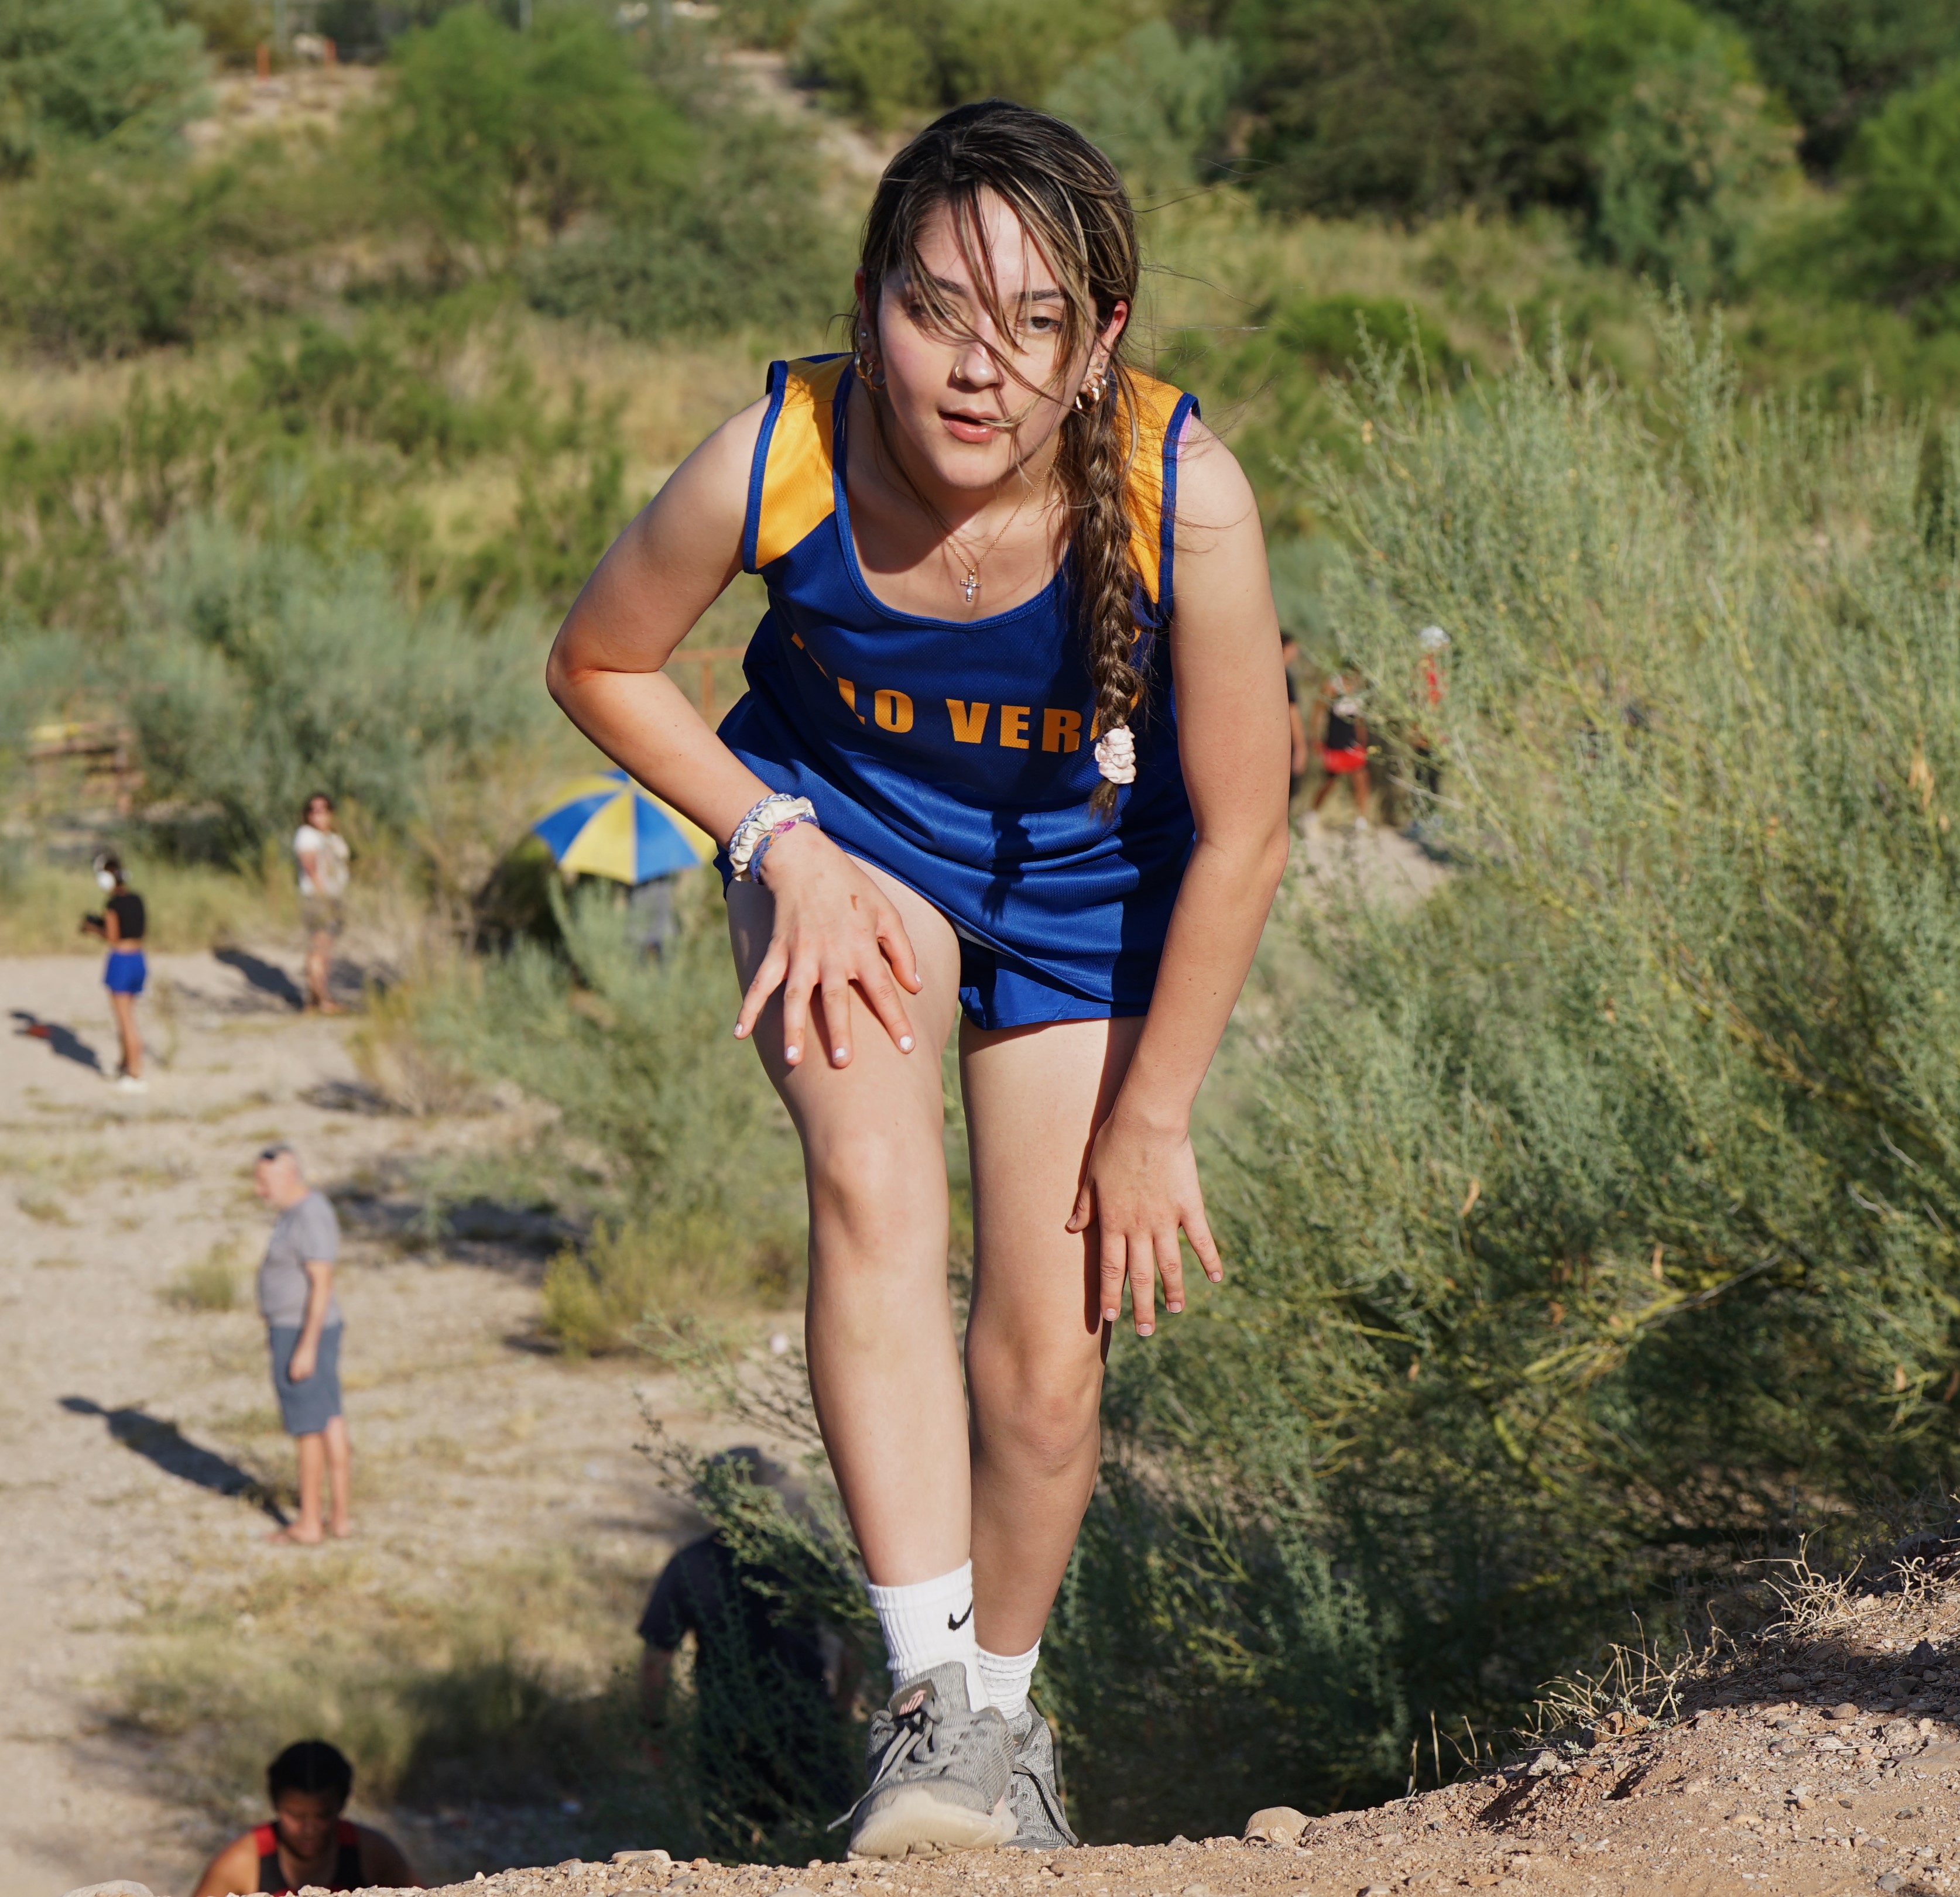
(302,1317)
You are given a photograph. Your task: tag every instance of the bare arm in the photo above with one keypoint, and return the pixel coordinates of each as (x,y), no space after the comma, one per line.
(320,1294)
(382,1863)
(655,1664)
(834,929)
(1233,741)
(233,1873)
(663,572)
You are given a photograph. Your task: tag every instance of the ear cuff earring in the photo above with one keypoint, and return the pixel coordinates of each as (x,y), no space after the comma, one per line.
(865,360)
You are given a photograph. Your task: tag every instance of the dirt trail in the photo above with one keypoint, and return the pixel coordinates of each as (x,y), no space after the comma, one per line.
(124,1422)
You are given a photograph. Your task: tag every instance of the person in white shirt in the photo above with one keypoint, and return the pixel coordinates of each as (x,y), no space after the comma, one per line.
(322,853)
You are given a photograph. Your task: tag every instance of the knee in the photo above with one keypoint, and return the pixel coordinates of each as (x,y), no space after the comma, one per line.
(868,1191)
(1047,1423)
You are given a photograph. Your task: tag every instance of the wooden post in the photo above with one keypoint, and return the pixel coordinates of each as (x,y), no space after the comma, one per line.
(706,658)
(262,58)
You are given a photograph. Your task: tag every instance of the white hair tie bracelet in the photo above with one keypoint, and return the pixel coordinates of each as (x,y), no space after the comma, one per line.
(1116,755)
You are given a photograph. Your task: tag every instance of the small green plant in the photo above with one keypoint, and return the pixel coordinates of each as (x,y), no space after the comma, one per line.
(44,1208)
(630,1279)
(206,1284)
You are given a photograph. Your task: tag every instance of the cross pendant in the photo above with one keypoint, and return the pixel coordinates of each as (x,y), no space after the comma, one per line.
(970,585)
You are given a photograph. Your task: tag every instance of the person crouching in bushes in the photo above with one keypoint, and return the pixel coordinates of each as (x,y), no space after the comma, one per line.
(308,1845)
(121,924)
(1013,759)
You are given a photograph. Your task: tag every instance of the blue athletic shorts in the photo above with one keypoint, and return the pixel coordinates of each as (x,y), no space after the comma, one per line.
(305,1408)
(126,972)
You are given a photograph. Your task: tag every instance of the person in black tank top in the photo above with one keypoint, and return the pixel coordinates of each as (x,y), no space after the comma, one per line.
(122,924)
(308,1842)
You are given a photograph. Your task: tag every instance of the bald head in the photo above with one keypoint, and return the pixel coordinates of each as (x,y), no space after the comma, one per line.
(277,1179)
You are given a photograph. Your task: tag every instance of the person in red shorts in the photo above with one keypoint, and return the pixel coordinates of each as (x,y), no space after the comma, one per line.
(308,1844)
(1344,743)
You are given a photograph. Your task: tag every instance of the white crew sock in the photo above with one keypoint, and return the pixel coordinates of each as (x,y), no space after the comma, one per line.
(928,1623)
(1007,1675)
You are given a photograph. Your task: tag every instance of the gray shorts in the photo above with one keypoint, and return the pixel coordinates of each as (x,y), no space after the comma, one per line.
(305,1408)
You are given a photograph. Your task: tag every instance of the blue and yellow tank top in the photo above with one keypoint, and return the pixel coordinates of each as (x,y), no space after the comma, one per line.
(959,756)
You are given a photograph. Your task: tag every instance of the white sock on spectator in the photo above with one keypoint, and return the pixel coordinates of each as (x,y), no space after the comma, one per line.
(928,1623)
(1007,1675)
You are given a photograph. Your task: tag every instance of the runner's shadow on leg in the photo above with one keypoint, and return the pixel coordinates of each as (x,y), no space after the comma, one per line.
(173,1452)
(62,1042)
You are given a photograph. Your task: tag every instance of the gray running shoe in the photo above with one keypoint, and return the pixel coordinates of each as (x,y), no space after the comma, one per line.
(939,1773)
(1036,1793)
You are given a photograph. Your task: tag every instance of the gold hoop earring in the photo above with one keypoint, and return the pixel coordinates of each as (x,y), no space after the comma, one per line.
(870,370)
(1089,397)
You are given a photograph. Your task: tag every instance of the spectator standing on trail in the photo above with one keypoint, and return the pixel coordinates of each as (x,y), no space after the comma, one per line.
(303,1325)
(321,852)
(1343,742)
(1013,758)
(122,924)
(308,1845)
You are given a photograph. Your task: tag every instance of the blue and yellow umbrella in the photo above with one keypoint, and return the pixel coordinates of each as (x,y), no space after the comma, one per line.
(607,825)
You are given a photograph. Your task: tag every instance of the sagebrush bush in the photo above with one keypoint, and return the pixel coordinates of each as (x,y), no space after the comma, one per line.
(75,72)
(632,1277)
(262,672)
(685,1145)
(1604,1204)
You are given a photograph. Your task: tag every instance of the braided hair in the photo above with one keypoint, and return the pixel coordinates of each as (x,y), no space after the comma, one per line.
(1070,200)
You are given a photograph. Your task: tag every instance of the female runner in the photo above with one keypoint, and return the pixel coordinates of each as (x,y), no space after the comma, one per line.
(991,764)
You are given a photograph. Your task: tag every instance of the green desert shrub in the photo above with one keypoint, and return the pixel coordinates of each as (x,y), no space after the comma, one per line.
(886,61)
(1902,219)
(1836,64)
(1156,103)
(681,1141)
(1645,119)
(751,241)
(1607,1200)
(633,1280)
(1685,163)
(489,132)
(261,671)
(75,72)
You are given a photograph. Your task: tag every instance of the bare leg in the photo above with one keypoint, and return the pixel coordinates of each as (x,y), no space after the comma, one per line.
(1361,795)
(125,1009)
(320,971)
(339,1470)
(1320,794)
(884,1369)
(312,1467)
(1036,1344)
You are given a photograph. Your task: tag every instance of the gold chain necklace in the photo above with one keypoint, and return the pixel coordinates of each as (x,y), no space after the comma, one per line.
(971,585)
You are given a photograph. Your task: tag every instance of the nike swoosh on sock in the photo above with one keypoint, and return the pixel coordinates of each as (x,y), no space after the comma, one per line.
(954,1626)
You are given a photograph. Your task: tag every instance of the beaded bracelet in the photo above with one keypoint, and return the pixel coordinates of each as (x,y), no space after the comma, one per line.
(776,807)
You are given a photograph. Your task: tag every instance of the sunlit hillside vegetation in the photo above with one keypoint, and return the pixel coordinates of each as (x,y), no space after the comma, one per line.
(1590,1226)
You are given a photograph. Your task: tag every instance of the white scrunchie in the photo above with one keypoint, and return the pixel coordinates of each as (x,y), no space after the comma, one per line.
(1116,755)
